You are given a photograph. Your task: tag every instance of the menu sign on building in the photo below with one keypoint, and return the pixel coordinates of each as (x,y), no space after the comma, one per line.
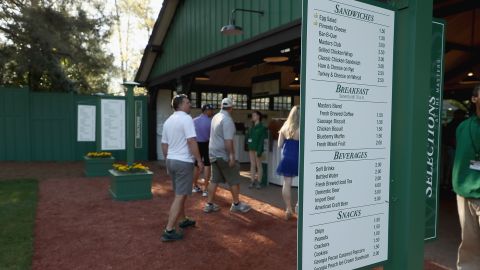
(86,123)
(113,124)
(347,120)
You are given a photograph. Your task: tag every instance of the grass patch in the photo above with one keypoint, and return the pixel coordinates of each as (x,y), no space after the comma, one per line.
(18,204)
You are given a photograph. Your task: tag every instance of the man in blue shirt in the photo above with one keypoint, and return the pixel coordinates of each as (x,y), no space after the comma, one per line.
(202,127)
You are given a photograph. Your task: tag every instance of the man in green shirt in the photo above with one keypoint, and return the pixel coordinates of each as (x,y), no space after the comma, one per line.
(466,184)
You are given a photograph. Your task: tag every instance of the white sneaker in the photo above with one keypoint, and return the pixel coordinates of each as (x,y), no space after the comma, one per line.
(205,194)
(240,207)
(208,208)
(196,189)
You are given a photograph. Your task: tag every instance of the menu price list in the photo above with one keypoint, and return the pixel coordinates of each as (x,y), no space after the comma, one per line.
(347,213)
(339,31)
(113,124)
(337,125)
(86,123)
(328,246)
(346,168)
(345,185)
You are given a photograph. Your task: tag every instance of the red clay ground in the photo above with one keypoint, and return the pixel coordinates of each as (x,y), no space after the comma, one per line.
(78,226)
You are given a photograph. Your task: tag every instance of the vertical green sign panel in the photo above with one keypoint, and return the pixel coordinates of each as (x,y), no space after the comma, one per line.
(138,123)
(434,120)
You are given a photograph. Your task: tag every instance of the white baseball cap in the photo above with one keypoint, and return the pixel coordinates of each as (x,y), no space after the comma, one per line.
(227,103)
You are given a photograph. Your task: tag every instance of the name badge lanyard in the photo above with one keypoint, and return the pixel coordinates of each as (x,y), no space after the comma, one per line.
(475,148)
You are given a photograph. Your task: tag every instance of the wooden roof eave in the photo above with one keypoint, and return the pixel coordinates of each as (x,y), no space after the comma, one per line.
(282,34)
(155,42)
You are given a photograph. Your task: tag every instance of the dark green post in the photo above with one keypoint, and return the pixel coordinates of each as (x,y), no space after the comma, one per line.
(130,122)
(409,133)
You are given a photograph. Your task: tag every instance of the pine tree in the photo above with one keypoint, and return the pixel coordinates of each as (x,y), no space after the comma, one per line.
(54,45)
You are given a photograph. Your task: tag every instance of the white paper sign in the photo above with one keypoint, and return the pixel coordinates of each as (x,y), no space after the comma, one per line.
(113,124)
(348,97)
(86,123)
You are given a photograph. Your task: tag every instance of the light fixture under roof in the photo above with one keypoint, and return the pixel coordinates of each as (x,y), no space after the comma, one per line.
(295,83)
(470,79)
(231,28)
(275,59)
(202,77)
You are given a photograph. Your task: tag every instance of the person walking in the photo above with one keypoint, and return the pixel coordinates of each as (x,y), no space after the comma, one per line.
(466,184)
(255,141)
(180,148)
(202,127)
(288,140)
(222,158)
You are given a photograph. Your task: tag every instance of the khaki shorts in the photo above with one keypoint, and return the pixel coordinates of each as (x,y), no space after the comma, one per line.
(222,173)
(182,176)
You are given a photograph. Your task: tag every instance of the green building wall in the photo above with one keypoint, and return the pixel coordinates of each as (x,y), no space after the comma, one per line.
(51,126)
(14,124)
(195,30)
(43,126)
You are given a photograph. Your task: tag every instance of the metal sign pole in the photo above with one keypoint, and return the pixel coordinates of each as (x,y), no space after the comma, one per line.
(130,122)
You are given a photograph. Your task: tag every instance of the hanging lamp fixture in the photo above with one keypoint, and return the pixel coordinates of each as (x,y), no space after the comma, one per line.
(231,29)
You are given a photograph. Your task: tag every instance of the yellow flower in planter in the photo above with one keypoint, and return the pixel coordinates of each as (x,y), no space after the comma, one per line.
(99,154)
(136,167)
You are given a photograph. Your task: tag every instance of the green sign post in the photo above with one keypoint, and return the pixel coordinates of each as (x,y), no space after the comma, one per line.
(434,122)
(130,122)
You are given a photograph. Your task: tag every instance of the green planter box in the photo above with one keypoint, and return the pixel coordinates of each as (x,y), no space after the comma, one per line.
(130,186)
(98,166)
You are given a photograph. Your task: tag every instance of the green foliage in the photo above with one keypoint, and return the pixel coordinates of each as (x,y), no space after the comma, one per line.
(18,203)
(54,45)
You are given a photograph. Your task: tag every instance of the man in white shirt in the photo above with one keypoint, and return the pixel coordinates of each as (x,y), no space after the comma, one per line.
(222,159)
(180,149)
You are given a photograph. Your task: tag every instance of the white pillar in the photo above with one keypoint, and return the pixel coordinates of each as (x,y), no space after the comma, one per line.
(164,110)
